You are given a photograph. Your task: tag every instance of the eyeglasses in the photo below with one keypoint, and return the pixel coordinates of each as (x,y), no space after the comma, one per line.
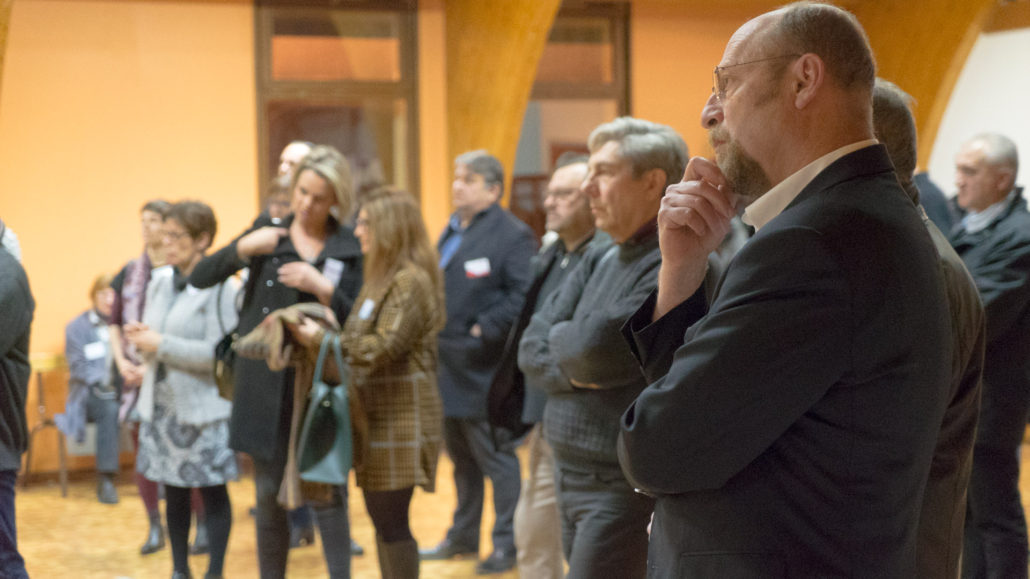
(174,236)
(719,82)
(560,194)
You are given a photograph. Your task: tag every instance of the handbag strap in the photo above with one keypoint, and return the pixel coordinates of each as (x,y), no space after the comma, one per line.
(322,350)
(342,369)
(218,308)
(331,341)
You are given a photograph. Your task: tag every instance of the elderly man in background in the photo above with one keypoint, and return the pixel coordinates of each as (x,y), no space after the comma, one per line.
(573,348)
(941,520)
(789,433)
(993,239)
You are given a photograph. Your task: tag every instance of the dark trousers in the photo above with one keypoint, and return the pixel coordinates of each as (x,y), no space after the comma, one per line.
(273,531)
(102,410)
(12,566)
(604,523)
(995,542)
(471,448)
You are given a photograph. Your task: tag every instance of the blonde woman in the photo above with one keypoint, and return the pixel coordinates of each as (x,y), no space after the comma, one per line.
(389,340)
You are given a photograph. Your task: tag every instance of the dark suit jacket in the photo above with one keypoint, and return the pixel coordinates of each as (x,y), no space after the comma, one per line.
(492,300)
(942,518)
(263,399)
(789,433)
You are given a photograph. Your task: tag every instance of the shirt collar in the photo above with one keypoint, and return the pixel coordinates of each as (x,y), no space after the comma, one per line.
(975,221)
(768,206)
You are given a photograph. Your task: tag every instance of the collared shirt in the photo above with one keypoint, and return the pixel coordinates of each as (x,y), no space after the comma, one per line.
(979,220)
(451,241)
(768,206)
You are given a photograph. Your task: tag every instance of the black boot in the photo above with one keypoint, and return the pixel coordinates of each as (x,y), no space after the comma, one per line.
(200,545)
(356,549)
(155,536)
(106,491)
(301,536)
(398,560)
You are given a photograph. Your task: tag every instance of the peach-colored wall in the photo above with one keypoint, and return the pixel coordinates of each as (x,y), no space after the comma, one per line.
(106,105)
(673,50)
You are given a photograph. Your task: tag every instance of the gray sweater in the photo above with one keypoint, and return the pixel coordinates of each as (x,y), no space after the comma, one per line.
(576,336)
(188,323)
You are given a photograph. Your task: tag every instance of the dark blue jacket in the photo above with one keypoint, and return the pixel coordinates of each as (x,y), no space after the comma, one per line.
(489,293)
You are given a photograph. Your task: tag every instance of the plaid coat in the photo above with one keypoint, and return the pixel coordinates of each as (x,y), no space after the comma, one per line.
(390,342)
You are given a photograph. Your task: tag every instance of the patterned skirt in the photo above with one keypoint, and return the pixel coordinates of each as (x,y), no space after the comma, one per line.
(183,455)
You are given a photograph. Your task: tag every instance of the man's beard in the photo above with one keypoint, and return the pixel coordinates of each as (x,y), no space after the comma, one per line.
(746,177)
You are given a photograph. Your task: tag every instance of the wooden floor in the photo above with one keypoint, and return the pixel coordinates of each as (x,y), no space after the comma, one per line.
(78,537)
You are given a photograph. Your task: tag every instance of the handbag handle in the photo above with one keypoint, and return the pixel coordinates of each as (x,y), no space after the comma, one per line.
(331,340)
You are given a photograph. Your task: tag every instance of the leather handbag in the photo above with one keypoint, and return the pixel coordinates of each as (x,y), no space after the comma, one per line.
(325,450)
(225,355)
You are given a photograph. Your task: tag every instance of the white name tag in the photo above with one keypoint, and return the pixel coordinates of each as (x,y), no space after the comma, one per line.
(333,270)
(94,351)
(366,309)
(477,267)
(191,291)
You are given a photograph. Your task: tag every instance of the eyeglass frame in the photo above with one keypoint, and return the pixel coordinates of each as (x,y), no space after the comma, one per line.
(720,93)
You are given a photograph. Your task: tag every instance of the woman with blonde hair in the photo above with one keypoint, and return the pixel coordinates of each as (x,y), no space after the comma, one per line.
(389,341)
(307,256)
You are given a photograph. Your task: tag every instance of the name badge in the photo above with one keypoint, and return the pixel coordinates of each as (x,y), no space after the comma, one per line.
(366,309)
(94,351)
(333,270)
(477,267)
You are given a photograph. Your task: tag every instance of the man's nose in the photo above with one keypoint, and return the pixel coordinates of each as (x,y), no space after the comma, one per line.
(711,114)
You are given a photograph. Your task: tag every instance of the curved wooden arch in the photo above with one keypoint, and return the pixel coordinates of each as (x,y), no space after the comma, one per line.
(922,45)
(492,53)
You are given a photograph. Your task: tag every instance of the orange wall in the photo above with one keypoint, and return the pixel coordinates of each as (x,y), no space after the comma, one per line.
(673,50)
(435,167)
(106,105)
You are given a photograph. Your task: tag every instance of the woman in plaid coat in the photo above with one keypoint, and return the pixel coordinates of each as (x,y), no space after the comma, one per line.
(389,340)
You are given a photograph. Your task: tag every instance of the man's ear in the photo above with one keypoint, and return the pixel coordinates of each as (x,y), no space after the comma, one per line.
(496,190)
(807,76)
(204,241)
(656,179)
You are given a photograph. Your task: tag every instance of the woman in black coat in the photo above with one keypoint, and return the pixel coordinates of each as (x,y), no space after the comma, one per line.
(309,256)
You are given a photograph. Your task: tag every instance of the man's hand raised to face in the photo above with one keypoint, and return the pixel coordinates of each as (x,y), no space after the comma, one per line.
(693,220)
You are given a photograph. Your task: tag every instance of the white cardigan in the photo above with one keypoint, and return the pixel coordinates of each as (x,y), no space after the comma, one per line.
(188,323)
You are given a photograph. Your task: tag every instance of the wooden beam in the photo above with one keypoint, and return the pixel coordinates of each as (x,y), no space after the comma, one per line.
(492,53)
(922,45)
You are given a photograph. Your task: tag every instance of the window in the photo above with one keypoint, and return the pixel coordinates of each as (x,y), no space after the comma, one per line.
(581,82)
(342,75)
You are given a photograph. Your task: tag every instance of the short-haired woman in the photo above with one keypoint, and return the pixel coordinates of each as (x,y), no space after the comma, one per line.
(184,434)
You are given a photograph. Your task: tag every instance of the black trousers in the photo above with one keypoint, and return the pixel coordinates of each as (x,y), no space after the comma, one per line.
(471,448)
(604,522)
(995,542)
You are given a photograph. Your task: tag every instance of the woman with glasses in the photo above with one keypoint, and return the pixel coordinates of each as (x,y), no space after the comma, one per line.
(184,429)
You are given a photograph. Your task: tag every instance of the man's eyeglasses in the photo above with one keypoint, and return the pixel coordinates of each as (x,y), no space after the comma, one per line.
(174,235)
(719,81)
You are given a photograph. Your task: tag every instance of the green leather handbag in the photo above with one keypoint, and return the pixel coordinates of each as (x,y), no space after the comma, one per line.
(325,448)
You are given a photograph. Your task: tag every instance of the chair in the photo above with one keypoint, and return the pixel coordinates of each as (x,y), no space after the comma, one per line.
(42,366)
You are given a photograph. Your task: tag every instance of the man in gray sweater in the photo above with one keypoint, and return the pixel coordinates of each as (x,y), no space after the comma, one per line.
(573,348)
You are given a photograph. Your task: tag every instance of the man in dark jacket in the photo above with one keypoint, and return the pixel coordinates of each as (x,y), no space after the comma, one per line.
(517,405)
(573,348)
(993,239)
(484,254)
(789,433)
(16,308)
(941,520)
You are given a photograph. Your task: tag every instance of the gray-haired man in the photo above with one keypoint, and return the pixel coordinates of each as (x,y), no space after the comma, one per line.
(484,254)
(573,348)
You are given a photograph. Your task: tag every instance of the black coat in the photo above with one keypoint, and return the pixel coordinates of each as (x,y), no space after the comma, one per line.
(16,309)
(262,399)
(492,300)
(789,433)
